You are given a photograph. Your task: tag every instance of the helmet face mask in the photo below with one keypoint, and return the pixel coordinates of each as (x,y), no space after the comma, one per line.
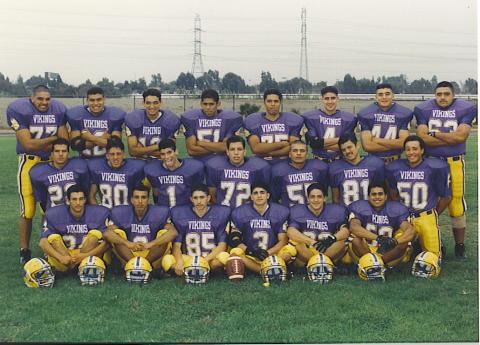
(371,267)
(196,270)
(137,270)
(38,273)
(320,269)
(273,269)
(91,271)
(425,265)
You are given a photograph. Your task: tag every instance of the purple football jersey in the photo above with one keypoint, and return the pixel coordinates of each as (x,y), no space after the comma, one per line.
(174,186)
(116,185)
(210,128)
(420,187)
(50,184)
(260,230)
(290,184)
(22,114)
(149,132)
(329,221)
(59,220)
(321,125)
(385,221)
(233,182)
(109,120)
(200,235)
(287,125)
(445,120)
(353,180)
(140,230)
(385,124)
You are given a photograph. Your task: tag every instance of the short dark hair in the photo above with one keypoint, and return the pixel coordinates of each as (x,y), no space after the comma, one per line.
(152,92)
(384,86)
(95,90)
(259,185)
(317,185)
(115,141)
(235,139)
(40,88)
(167,144)
(445,84)
(272,92)
(328,89)
(377,184)
(61,141)
(75,188)
(201,187)
(414,138)
(141,188)
(348,136)
(210,93)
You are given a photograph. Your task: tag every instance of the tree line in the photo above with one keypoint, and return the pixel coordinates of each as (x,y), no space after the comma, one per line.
(230,83)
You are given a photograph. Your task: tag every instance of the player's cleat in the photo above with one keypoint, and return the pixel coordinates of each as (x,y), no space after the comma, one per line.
(444,251)
(460,251)
(25,255)
(157,273)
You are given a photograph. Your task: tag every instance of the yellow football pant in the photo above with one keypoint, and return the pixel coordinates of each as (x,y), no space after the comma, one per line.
(25,190)
(457,206)
(426,224)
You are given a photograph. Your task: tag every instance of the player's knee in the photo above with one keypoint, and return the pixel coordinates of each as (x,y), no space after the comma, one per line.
(222,257)
(237,251)
(121,233)
(459,222)
(167,262)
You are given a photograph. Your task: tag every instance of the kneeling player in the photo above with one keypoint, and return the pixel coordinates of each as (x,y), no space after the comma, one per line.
(73,233)
(140,229)
(380,227)
(200,245)
(318,227)
(258,230)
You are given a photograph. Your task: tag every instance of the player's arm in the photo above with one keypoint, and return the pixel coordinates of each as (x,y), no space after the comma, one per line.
(342,233)
(221,247)
(50,251)
(393,143)
(459,136)
(282,241)
(211,146)
(359,231)
(331,144)
(97,251)
(177,254)
(100,141)
(213,194)
(295,235)
(369,144)
(31,144)
(136,149)
(62,132)
(92,194)
(408,233)
(167,237)
(335,195)
(113,238)
(442,204)
(267,149)
(193,148)
(422,132)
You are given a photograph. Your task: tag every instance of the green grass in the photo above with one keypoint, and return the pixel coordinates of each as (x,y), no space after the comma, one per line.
(403,309)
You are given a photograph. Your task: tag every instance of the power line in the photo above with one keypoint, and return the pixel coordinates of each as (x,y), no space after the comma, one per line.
(303,50)
(197,65)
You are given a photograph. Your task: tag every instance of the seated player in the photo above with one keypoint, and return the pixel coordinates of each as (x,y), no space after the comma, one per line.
(318,227)
(172,178)
(259,230)
(50,180)
(290,179)
(380,226)
(201,232)
(229,178)
(74,232)
(140,229)
(114,177)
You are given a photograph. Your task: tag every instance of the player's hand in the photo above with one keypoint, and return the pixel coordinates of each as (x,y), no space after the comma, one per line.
(258,253)
(325,242)
(316,143)
(145,246)
(234,238)
(77,258)
(65,260)
(178,268)
(385,243)
(432,133)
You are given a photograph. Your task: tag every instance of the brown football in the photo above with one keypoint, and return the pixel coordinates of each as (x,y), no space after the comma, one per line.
(235,268)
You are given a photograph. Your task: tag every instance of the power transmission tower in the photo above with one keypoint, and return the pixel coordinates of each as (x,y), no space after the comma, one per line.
(197,65)
(303,51)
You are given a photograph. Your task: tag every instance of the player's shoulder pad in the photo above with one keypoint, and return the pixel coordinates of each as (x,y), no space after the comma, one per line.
(135,118)
(436,163)
(425,105)
(401,110)
(78,163)
(76,112)
(253,120)
(57,106)
(317,164)
(37,169)
(257,162)
(163,210)
(135,162)
(374,161)
(96,163)
(368,110)
(229,114)
(217,162)
(115,112)
(192,164)
(56,212)
(279,210)
(169,114)
(281,168)
(395,208)
(103,212)
(221,210)
(153,166)
(21,106)
(396,164)
(120,210)
(360,206)
(192,114)
(311,114)
(179,211)
(293,119)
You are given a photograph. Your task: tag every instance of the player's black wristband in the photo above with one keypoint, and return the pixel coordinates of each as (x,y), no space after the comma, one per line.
(234,238)
(78,144)
(432,133)
(258,253)
(316,143)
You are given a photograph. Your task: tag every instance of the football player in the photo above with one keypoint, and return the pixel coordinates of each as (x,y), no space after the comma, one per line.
(208,128)
(422,185)
(201,232)
(259,230)
(384,125)
(380,226)
(37,121)
(444,123)
(93,124)
(50,180)
(114,177)
(145,128)
(271,132)
(172,178)
(318,227)
(73,232)
(140,229)
(290,179)
(229,178)
(326,125)
(350,176)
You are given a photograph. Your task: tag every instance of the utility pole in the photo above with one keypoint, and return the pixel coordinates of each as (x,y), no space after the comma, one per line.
(197,65)
(303,51)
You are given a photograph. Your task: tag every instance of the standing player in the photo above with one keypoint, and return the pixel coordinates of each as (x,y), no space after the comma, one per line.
(350,176)
(291,179)
(140,229)
(444,123)
(208,128)
(384,125)
(270,133)
(50,180)
(73,232)
(92,125)
(229,178)
(145,128)
(114,177)
(173,178)
(327,125)
(37,121)
(422,185)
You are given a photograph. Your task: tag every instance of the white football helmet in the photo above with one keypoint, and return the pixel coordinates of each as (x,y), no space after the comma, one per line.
(91,271)
(38,273)
(272,269)
(371,267)
(137,270)
(320,269)
(196,270)
(426,265)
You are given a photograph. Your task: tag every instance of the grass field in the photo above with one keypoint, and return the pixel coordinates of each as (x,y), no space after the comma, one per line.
(403,309)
